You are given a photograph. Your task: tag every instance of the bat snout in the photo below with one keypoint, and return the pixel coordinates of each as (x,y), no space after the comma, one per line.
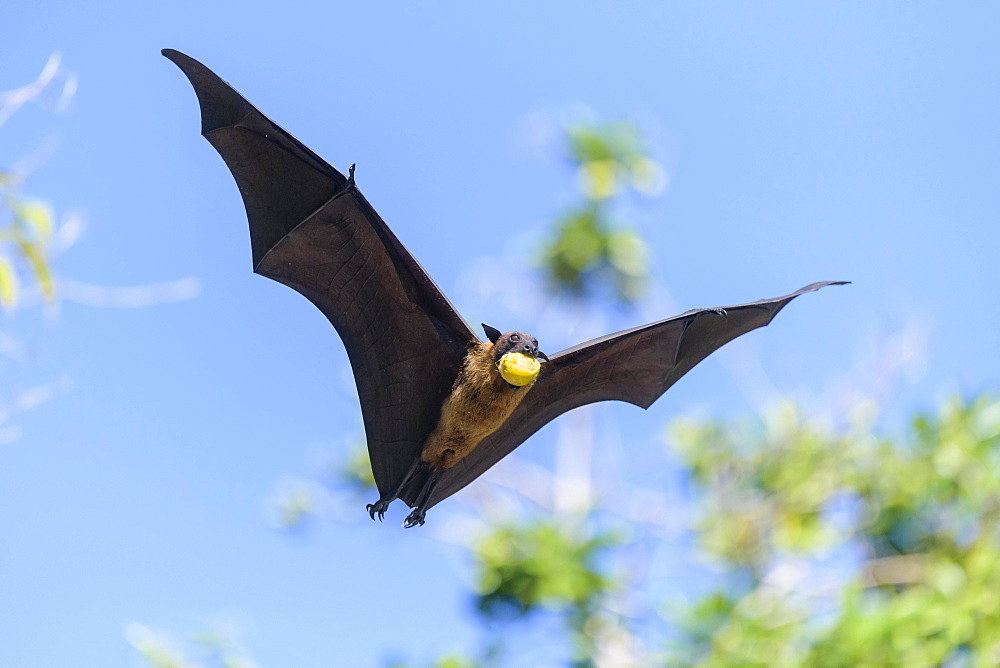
(531,350)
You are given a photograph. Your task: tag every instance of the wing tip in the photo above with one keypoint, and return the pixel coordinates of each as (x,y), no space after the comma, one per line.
(181,60)
(221,105)
(812,287)
(822,284)
(781,302)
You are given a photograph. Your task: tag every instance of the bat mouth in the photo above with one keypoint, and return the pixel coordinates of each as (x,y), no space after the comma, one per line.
(518,369)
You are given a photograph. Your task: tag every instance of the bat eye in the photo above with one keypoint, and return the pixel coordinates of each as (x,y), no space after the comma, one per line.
(515,338)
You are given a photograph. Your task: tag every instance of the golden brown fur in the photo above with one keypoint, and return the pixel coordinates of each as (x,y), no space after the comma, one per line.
(480,401)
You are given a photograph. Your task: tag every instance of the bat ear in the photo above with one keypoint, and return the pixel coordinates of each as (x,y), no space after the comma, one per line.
(491,333)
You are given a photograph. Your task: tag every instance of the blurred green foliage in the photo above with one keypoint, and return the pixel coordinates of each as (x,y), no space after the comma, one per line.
(551,565)
(27,224)
(357,473)
(590,247)
(539,564)
(918,554)
(446,661)
(207,649)
(25,227)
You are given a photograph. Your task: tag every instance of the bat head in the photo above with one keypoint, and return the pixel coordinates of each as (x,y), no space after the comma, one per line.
(513,342)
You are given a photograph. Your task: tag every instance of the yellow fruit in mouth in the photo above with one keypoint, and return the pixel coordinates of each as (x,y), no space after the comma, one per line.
(518,369)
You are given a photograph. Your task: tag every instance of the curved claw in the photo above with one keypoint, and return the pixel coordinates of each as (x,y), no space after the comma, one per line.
(348,187)
(416,518)
(377,508)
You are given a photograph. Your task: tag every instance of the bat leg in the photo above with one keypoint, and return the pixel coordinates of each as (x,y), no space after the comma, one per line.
(416,518)
(380,506)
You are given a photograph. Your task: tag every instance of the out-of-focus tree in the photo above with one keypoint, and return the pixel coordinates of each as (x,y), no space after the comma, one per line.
(534,564)
(591,250)
(847,548)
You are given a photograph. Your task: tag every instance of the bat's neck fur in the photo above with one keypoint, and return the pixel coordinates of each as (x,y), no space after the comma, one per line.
(480,401)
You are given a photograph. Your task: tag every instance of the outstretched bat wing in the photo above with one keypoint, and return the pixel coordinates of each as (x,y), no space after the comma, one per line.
(637,366)
(313,231)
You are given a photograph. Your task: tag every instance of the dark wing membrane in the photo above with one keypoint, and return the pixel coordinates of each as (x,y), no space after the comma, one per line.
(404,339)
(637,366)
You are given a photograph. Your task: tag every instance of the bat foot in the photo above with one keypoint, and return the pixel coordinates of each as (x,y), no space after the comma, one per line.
(416,518)
(378,508)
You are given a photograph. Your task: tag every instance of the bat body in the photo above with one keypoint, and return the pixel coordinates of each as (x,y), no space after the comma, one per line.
(439,405)
(480,401)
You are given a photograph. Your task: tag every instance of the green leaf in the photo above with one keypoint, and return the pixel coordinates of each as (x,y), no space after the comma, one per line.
(598,179)
(40,267)
(8,283)
(38,215)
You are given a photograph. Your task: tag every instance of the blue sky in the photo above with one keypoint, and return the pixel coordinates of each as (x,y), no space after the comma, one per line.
(802,143)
